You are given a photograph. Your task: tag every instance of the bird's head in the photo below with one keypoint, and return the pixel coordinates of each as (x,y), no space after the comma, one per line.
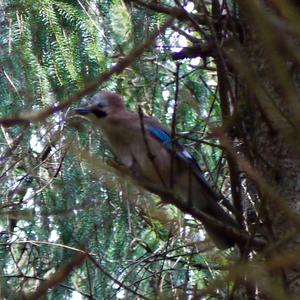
(102,105)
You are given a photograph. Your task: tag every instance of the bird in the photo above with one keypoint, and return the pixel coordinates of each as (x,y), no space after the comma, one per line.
(156,161)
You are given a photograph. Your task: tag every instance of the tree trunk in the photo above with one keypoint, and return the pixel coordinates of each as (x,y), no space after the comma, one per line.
(268,110)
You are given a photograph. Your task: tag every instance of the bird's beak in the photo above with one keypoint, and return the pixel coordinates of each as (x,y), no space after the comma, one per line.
(83,110)
(93,110)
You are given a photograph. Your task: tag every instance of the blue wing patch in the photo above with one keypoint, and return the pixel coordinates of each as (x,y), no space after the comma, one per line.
(165,138)
(160,135)
(182,153)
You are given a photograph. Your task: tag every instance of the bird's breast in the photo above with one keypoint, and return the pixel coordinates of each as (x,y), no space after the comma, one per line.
(146,156)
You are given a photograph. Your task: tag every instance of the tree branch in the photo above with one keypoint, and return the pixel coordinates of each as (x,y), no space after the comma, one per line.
(123,63)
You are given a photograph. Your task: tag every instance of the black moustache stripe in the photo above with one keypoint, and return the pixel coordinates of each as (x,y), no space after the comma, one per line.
(99,113)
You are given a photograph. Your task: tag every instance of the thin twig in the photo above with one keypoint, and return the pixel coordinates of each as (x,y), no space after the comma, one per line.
(146,142)
(173,132)
(57,277)
(116,280)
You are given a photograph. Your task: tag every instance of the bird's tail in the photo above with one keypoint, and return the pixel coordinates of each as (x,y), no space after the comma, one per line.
(221,238)
(205,199)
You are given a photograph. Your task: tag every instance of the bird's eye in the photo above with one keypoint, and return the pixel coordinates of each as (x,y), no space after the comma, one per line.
(100,105)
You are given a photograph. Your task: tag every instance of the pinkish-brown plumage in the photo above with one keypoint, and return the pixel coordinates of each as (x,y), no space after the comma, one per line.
(143,145)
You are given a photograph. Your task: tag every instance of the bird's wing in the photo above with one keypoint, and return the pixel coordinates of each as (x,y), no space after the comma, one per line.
(165,138)
(160,133)
(156,130)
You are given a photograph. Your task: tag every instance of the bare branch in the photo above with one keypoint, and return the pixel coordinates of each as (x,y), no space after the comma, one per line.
(58,277)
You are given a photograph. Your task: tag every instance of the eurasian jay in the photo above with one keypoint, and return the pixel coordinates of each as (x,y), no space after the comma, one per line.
(144,147)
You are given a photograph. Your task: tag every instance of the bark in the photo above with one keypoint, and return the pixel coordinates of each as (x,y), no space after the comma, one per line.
(268,112)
